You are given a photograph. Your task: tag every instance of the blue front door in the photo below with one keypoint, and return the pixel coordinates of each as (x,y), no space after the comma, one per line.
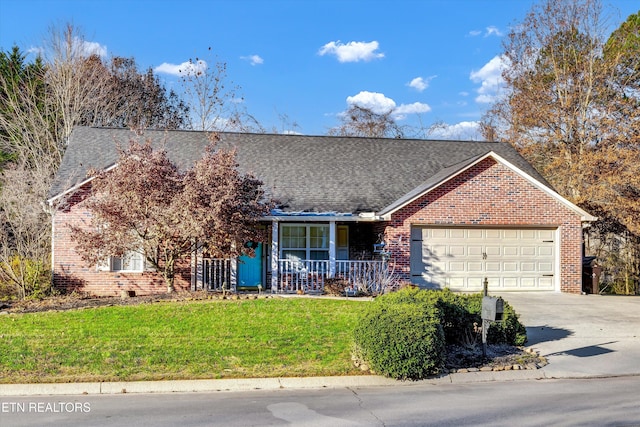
(250,270)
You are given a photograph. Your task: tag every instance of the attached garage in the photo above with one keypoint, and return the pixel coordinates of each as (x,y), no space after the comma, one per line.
(459,258)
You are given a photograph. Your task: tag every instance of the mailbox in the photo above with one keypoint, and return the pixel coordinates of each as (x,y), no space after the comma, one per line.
(492,308)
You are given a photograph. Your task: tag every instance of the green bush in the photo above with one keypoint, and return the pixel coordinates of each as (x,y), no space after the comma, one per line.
(508,331)
(400,336)
(404,334)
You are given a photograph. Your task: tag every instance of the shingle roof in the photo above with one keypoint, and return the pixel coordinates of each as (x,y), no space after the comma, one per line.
(305,173)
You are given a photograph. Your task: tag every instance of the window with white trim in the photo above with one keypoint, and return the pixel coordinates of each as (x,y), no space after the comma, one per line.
(304,241)
(131,261)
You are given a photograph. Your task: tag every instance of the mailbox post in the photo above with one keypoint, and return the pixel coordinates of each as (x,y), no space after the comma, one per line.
(492,311)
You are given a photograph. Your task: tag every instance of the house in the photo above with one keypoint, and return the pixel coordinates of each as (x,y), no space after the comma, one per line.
(435,213)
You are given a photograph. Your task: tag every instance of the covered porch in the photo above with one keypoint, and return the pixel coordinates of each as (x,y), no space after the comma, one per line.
(303,252)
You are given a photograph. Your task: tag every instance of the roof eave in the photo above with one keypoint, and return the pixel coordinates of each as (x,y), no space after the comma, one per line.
(388,211)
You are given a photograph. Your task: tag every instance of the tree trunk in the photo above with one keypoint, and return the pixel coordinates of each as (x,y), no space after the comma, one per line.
(169,275)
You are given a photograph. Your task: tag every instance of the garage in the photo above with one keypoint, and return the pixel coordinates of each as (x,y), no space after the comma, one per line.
(460,258)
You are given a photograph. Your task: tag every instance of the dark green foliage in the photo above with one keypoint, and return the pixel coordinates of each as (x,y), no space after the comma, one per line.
(400,336)
(508,331)
(404,334)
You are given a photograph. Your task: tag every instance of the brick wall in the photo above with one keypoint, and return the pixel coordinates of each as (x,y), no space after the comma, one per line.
(490,194)
(71,273)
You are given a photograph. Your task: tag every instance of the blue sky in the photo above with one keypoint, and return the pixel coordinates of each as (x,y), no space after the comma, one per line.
(430,61)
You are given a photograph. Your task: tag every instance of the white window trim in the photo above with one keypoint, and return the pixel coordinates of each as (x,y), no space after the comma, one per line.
(135,253)
(308,249)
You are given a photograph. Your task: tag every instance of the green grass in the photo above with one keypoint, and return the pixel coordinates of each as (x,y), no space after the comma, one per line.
(181,340)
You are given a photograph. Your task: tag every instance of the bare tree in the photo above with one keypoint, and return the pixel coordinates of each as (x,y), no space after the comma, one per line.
(363,122)
(214,102)
(24,229)
(40,103)
(572,106)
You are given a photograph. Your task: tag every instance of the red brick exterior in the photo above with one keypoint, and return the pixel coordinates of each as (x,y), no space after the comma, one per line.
(490,194)
(71,273)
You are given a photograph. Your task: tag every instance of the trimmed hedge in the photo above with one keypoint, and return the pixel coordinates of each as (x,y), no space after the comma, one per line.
(401,338)
(403,335)
(508,331)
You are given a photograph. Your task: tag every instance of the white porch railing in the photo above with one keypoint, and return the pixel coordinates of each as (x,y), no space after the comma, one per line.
(309,276)
(217,274)
(303,275)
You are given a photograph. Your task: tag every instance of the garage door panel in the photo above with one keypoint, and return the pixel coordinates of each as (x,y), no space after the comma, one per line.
(475,251)
(493,234)
(493,266)
(511,251)
(474,266)
(545,251)
(457,267)
(461,258)
(511,234)
(546,234)
(457,250)
(439,233)
(475,234)
(493,251)
(511,283)
(545,267)
(510,267)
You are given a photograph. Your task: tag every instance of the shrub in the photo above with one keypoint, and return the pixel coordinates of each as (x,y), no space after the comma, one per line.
(400,336)
(508,331)
(25,278)
(404,334)
(335,287)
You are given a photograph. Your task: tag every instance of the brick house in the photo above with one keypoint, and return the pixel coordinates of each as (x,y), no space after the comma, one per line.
(435,213)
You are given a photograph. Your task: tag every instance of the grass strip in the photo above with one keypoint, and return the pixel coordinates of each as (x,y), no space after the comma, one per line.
(261,338)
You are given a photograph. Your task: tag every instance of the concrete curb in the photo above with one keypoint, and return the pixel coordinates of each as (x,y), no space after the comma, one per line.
(249,384)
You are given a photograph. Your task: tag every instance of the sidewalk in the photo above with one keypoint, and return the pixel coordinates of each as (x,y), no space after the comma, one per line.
(582,336)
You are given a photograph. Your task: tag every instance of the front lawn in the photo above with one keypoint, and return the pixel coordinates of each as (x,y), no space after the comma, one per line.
(181,340)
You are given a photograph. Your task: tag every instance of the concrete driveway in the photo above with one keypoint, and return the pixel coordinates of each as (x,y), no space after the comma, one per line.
(582,335)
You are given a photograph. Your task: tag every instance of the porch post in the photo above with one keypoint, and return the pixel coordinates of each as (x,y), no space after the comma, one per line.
(275,257)
(332,249)
(197,261)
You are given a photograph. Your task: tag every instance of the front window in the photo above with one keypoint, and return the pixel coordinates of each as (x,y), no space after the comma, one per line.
(300,242)
(131,261)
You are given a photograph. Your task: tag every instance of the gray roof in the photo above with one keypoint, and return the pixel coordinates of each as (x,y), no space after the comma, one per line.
(304,173)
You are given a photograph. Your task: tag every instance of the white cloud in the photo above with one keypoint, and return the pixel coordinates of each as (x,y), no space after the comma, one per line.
(38,51)
(401,112)
(464,131)
(490,79)
(186,68)
(380,104)
(374,101)
(352,51)
(420,83)
(493,31)
(91,48)
(253,59)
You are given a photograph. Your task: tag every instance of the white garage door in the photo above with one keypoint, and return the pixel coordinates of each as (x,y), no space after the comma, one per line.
(461,258)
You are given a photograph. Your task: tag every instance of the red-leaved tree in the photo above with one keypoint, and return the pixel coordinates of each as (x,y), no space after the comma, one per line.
(145,204)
